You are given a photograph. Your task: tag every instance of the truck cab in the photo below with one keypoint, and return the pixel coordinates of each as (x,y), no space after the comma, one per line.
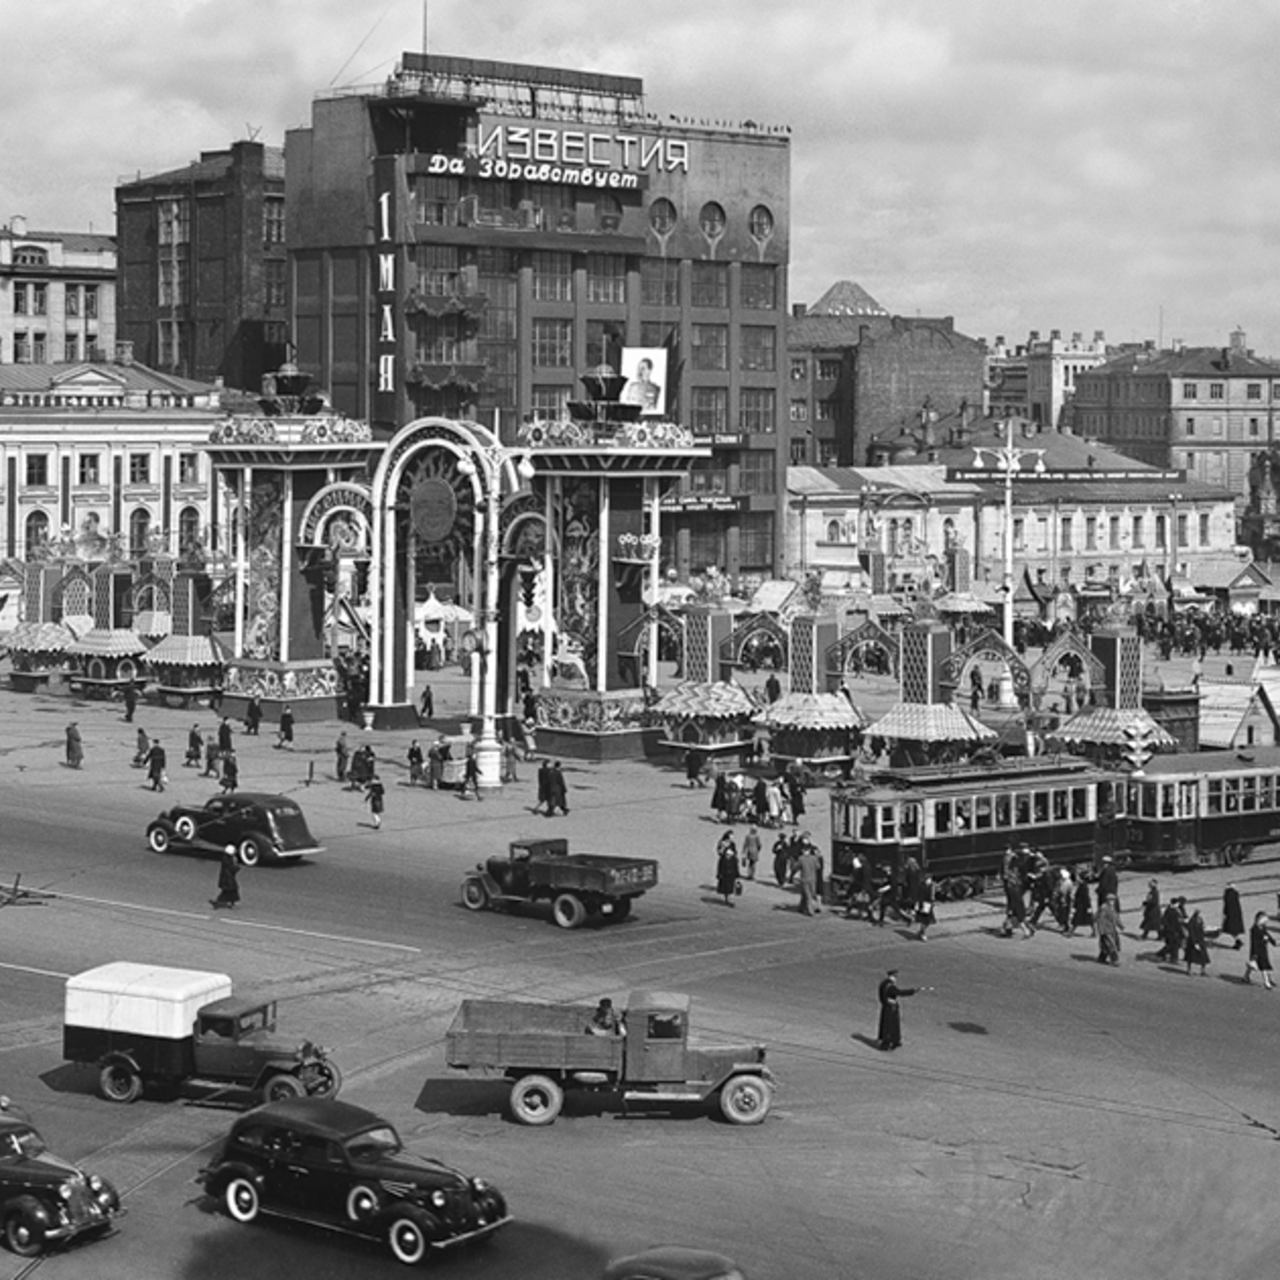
(234,1037)
(510,871)
(658,1050)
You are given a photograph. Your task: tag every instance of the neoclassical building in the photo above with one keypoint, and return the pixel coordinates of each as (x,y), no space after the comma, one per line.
(109,455)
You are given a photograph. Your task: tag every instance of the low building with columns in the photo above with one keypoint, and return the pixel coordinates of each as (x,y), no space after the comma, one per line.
(1082,517)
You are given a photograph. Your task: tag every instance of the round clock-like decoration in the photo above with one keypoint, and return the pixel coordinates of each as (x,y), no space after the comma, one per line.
(433,508)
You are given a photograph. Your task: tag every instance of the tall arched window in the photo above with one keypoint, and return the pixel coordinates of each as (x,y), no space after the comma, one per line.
(139,528)
(36,531)
(833,530)
(189,533)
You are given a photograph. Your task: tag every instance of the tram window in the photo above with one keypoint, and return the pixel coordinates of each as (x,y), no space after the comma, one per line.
(1213,803)
(1004,808)
(1149,798)
(1166,800)
(982,812)
(942,817)
(1186,800)
(910,822)
(1059,806)
(867,827)
(888,821)
(1231,794)
(1022,810)
(1079,802)
(1249,794)
(964,815)
(1267,792)
(1040,807)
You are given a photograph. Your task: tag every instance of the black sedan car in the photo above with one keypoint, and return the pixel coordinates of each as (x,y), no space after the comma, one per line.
(45,1201)
(257,824)
(344,1168)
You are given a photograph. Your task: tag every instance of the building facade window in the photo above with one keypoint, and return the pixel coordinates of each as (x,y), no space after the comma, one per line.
(757,409)
(606,277)
(1161,537)
(1189,390)
(174,222)
(188,531)
(1253,391)
(799,411)
(139,468)
(91,302)
(712,220)
(71,348)
(825,411)
(20,301)
(1019,534)
(548,402)
(1204,528)
(759,284)
(799,450)
(39,299)
(1182,529)
(707,539)
(760,222)
(755,538)
(1254,428)
(21,347)
(273,220)
(274,275)
(709,286)
(828,370)
(552,277)
(756,471)
(1113,533)
(799,369)
(710,346)
(188,468)
(1065,534)
(37,470)
(1215,390)
(36,530)
(709,410)
(39,348)
(29,255)
(89,469)
(1091,533)
(659,282)
(662,216)
(1139,534)
(552,343)
(758,351)
(139,529)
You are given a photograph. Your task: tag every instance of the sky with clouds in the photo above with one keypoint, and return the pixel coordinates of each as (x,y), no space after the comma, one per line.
(1017,164)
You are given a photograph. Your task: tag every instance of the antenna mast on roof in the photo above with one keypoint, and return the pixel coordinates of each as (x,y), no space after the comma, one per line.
(425,6)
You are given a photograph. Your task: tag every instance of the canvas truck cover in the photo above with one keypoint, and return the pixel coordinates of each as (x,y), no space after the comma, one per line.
(142,999)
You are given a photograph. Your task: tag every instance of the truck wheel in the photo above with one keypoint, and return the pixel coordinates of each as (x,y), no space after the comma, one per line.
(568,911)
(185,827)
(250,852)
(159,837)
(283,1087)
(119,1082)
(407,1234)
(475,897)
(745,1100)
(23,1233)
(621,909)
(328,1080)
(536,1100)
(241,1199)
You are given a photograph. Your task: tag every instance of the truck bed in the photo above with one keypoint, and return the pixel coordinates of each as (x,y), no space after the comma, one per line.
(493,1036)
(599,872)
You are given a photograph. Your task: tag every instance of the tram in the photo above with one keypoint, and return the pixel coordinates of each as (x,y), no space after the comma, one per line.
(1191,809)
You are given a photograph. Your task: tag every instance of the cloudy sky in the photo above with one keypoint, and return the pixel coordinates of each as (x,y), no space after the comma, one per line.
(1018,164)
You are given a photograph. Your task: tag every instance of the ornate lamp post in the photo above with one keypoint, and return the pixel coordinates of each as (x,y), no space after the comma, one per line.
(1008,458)
(496,469)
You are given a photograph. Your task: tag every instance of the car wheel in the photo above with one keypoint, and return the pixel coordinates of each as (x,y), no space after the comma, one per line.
(328,1080)
(250,852)
(745,1100)
(282,1087)
(475,897)
(159,838)
(621,909)
(119,1082)
(362,1203)
(568,911)
(185,827)
(536,1100)
(407,1235)
(240,1196)
(23,1233)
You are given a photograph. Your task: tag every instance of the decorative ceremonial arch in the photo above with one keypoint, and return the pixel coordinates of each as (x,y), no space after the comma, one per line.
(761,629)
(988,646)
(870,635)
(338,517)
(151,592)
(633,639)
(1069,643)
(80,585)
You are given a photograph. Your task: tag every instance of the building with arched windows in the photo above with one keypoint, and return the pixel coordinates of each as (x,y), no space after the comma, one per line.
(108,456)
(469,237)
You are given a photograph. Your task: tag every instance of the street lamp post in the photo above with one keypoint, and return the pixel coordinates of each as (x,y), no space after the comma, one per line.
(1008,458)
(496,468)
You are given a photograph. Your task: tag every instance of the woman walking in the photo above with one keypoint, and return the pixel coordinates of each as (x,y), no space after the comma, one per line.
(1109,931)
(727,869)
(1233,915)
(376,795)
(1081,908)
(925,916)
(1197,951)
(1260,944)
(75,747)
(228,880)
(1151,914)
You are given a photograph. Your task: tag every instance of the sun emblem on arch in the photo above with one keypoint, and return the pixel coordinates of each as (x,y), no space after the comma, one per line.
(440,504)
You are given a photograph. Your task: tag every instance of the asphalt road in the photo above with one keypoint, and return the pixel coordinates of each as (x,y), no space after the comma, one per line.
(1047,1117)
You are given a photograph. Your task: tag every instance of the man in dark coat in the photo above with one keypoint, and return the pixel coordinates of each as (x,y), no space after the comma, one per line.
(1233,915)
(544,788)
(809,867)
(156,762)
(130,701)
(195,747)
(224,735)
(253,715)
(889,1034)
(75,746)
(228,880)
(558,797)
(1108,882)
(286,726)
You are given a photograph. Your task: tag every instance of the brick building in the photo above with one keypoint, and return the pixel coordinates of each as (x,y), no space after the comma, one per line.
(57,295)
(857,372)
(203,266)
(470,237)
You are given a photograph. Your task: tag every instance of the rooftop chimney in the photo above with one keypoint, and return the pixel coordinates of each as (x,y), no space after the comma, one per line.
(18,225)
(124,352)
(797,310)
(1239,341)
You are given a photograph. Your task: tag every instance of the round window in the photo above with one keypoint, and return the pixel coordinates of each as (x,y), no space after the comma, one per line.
(712,219)
(761,222)
(662,216)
